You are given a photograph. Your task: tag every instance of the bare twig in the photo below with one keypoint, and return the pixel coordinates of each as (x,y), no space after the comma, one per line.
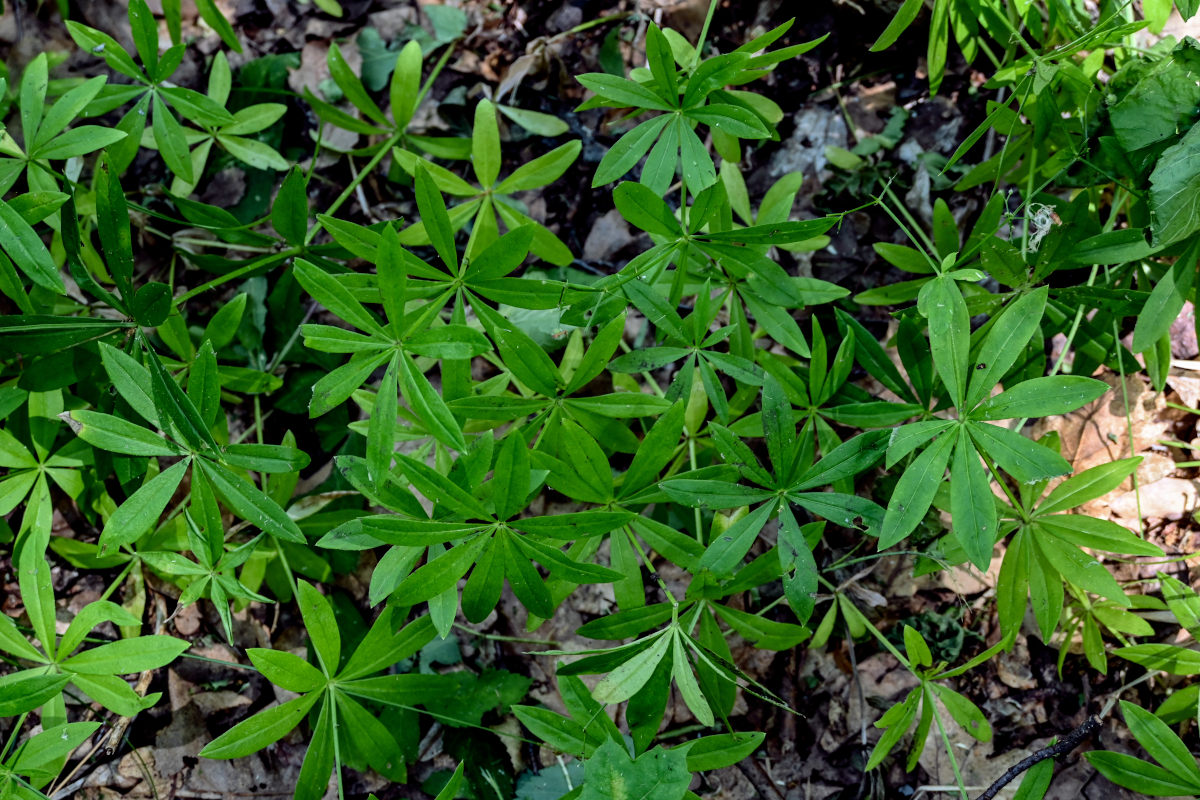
(1059,748)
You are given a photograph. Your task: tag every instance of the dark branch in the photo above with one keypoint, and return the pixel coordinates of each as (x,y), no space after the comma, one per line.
(1059,748)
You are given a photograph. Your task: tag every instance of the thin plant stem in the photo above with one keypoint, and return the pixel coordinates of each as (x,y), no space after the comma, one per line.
(12,737)
(712,8)
(384,149)
(240,272)
(1137,494)
(337,745)
(958,778)
(495,637)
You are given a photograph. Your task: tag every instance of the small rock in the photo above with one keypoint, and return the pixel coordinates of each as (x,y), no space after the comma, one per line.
(608,236)
(1183,334)
(187,621)
(804,151)
(1167,498)
(1154,467)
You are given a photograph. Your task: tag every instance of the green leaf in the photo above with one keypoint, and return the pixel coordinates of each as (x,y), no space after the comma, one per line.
(327,291)
(698,168)
(142,510)
(949,334)
(685,679)
(1088,485)
(1080,569)
(541,171)
(145,34)
(897,721)
(1140,776)
(34,83)
(1161,742)
(730,547)
(1041,397)
(844,461)
(131,380)
(764,633)
(406,84)
(524,579)
(223,325)
(94,41)
(1036,781)
(610,774)
(964,712)
(319,758)
(245,500)
(24,691)
(622,92)
(269,458)
(798,565)
(1023,458)
(655,452)
(79,141)
(1166,300)
(264,728)
(714,494)
(127,656)
(731,120)
(1182,601)
(37,592)
(289,214)
(12,641)
(27,250)
(333,388)
(170,141)
(1005,341)
(1097,534)
(118,436)
(722,750)
(1175,190)
(1159,106)
(352,87)
(1166,657)
(440,574)
(629,677)
(320,624)
(216,20)
(640,206)
(563,734)
(386,643)
(628,150)
(381,433)
(972,504)
(914,491)
(485,144)
(429,406)
(433,214)
(510,484)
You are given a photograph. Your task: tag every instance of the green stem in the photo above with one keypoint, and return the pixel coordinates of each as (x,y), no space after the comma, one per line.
(646,560)
(384,149)
(692,463)
(337,745)
(712,8)
(912,231)
(112,587)
(240,272)
(191,240)
(958,778)
(1137,494)
(495,637)
(12,738)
